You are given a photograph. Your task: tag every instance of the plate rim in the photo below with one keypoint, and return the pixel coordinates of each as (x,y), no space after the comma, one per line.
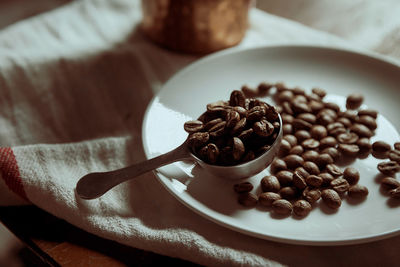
(358,52)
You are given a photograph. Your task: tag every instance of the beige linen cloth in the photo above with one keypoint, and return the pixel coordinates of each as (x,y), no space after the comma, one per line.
(74,85)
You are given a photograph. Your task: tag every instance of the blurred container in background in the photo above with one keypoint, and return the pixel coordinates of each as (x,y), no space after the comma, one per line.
(195,26)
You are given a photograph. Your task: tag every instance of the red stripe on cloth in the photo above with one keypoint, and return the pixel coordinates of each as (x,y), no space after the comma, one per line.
(10,172)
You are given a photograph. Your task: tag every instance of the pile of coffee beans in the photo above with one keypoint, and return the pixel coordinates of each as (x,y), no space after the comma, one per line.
(317,136)
(233,132)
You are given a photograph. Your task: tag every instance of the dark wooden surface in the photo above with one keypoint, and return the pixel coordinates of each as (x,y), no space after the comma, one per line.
(53,242)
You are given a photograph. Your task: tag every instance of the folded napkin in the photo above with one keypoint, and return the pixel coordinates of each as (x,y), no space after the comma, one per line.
(74,85)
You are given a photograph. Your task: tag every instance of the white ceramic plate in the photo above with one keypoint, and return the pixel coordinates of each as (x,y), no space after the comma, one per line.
(340,73)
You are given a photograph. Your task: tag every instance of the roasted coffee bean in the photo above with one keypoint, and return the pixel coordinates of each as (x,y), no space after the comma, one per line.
(320,92)
(249,155)
(302,171)
(241,110)
(364,144)
(380,147)
(278,165)
(293,161)
(333,106)
(300,107)
(327,111)
(285,96)
(271,113)
(302,207)
(212,153)
(308,117)
(334,170)
(313,97)
(315,106)
(246,134)
(312,195)
(263,128)
(237,98)
(327,178)
(232,117)
(299,91)
(291,139)
(284,148)
(249,92)
(368,121)
(286,118)
(239,127)
(351,175)
(217,107)
(193,126)
(256,113)
(349,150)
(217,127)
(396,146)
(358,191)
(282,207)
(323,160)
(197,140)
(243,187)
(340,185)
(270,184)
(238,148)
(296,150)
(285,178)
(395,193)
(333,152)
(211,124)
(347,138)
(394,155)
(325,119)
(286,108)
(368,112)
(287,129)
(311,167)
(302,135)
(354,101)
(361,130)
(331,198)
(300,98)
(318,132)
(248,199)
(264,88)
(389,183)
(299,124)
(310,155)
(299,180)
(328,141)
(345,121)
(288,192)
(389,167)
(314,180)
(310,143)
(267,198)
(349,114)
(335,128)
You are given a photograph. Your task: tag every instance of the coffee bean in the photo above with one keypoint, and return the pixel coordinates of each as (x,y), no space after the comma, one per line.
(314,180)
(211,124)
(270,184)
(237,148)
(249,92)
(282,207)
(313,97)
(394,155)
(326,178)
(347,138)
(218,107)
(237,98)
(287,108)
(318,132)
(328,141)
(299,91)
(247,199)
(302,207)
(278,165)
(310,143)
(248,156)
(389,168)
(368,112)
(320,92)
(193,126)
(285,177)
(380,147)
(349,114)
(340,185)
(285,96)
(293,161)
(300,107)
(328,111)
(364,144)
(397,146)
(197,140)
(354,101)
(218,129)
(312,195)
(349,150)
(335,128)
(243,187)
(288,192)
(333,152)
(368,121)
(389,183)
(263,128)
(291,139)
(287,129)
(267,198)
(232,117)
(395,193)
(302,135)
(299,124)
(331,198)
(241,110)
(246,134)
(264,88)
(308,117)
(239,127)
(256,113)
(324,159)
(351,175)
(325,119)
(299,180)
(361,130)
(284,147)
(311,167)
(315,106)
(358,191)
(286,118)
(334,170)
(212,153)
(296,150)
(310,155)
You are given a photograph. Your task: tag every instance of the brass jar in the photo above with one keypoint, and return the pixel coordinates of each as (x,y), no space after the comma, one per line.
(195,26)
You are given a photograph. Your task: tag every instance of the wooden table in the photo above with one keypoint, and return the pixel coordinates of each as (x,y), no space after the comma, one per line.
(54,242)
